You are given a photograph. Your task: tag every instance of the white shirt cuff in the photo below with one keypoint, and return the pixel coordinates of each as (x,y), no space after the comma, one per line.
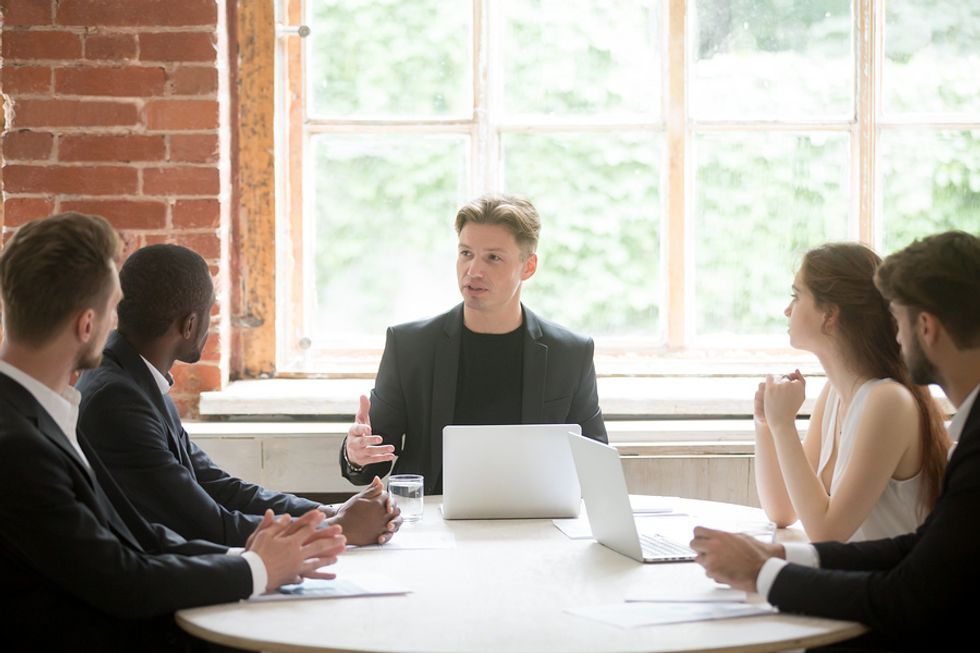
(235,550)
(767,575)
(800,554)
(260,578)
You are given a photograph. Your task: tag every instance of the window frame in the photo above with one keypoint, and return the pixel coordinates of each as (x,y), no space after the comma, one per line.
(263,348)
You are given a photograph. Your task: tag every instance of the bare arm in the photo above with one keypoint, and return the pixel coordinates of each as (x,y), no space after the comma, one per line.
(885,430)
(769,481)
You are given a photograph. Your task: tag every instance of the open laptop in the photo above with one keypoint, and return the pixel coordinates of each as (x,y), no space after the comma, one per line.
(520,471)
(607,503)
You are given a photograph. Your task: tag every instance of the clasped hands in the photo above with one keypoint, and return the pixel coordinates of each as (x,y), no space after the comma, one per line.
(778,400)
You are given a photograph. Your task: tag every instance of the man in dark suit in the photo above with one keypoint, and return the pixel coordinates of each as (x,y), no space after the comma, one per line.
(916,591)
(81,568)
(489,360)
(131,421)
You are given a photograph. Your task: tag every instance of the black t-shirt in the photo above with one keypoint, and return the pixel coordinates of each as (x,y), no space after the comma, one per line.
(490,384)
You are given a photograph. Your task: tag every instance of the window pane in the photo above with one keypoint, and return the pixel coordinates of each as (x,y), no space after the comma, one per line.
(387,57)
(581,56)
(771,58)
(762,201)
(599,199)
(932,55)
(384,245)
(931,183)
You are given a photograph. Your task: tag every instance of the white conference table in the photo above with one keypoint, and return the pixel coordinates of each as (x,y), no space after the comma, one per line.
(505,586)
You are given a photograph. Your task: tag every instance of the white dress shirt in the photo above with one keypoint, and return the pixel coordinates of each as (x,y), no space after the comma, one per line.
(63,408)
(260,576)
(806,554)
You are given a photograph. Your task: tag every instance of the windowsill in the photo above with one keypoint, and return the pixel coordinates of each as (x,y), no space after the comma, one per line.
(621,398)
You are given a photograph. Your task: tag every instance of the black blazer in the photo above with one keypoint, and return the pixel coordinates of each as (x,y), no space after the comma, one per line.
(916,590)
(70,541)
(415,390)
(138,434)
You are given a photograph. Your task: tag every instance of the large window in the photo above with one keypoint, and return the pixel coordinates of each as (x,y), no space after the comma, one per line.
(683,155)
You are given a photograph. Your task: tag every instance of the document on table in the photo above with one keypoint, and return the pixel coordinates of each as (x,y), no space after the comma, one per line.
(579,529)
(409,539)
(685,594)
(635,615)
(337,588)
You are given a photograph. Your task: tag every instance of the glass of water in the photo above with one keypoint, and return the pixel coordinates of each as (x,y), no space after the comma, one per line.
(406,491)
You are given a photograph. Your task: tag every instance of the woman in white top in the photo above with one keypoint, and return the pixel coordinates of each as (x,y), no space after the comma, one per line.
(872,461)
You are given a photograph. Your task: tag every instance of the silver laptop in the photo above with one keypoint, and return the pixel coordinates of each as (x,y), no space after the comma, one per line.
(607,503)
(520,471)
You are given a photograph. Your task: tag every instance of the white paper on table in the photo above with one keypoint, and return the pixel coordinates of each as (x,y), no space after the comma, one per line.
(649,505)
(683,594)
(635,615)
(579,528)
(337,588)
(409,539)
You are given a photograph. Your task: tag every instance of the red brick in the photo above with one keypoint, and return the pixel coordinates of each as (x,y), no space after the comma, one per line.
(123,214)
(180,181)
(178,46)
(111,47)
(130,243)
(128,81)
(131,147)
(156,239)
(73,113)
(207,245)
(196,378)
(29,12)
(189,406)
(182,114)
(196,148)
(18,210)
(25,79)
(212,348)
(41,45)
(197,214)
(169,13)
(95,180)
(195,80)
(25,144)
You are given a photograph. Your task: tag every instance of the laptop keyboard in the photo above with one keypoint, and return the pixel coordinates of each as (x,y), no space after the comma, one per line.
(657,547)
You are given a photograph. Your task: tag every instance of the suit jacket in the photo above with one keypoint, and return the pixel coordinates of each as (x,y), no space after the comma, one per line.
(138,434)
(915,589)
(415,390)
(71,542)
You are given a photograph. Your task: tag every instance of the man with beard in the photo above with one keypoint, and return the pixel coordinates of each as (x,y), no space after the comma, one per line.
(81,568)
(130,419)
(917,590)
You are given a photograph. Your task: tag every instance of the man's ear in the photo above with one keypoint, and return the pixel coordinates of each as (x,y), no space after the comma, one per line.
(928,327)
(188,326)
(530,267)
(85,325)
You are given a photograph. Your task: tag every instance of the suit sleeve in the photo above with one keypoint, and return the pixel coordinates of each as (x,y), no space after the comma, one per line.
(130,438)
(51,531)
(585,409)
(904,587)
(388,414)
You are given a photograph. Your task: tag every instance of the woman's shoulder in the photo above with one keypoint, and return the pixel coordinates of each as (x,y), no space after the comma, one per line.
(889,395)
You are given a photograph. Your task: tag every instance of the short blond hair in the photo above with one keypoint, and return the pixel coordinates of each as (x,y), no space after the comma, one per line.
(515,213)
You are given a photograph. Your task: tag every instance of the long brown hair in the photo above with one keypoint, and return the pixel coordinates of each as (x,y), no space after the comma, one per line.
(842,275)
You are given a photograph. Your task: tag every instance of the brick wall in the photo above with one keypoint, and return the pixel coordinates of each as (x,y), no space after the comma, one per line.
(113,108)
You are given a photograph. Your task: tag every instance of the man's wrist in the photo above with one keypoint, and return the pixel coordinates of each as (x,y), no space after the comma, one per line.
(350,466)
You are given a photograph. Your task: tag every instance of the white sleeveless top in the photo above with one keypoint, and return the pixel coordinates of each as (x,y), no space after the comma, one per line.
(897,510)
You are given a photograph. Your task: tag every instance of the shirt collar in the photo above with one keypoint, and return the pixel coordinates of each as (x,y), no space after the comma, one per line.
(63,408)
(163,382)
(959,419)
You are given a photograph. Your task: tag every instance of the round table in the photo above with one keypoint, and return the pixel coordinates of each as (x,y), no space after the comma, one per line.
(505,586)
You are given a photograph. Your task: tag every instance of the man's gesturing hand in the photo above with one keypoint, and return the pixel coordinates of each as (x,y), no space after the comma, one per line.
(363,447)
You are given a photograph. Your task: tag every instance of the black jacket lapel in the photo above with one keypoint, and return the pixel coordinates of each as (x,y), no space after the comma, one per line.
(444,375)
(535,370)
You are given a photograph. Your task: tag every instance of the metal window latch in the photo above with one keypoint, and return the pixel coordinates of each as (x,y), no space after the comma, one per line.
(301,31)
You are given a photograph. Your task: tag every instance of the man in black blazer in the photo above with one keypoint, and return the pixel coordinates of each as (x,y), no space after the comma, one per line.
(489,360)
(131,421)
(916,591)
(81,568)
